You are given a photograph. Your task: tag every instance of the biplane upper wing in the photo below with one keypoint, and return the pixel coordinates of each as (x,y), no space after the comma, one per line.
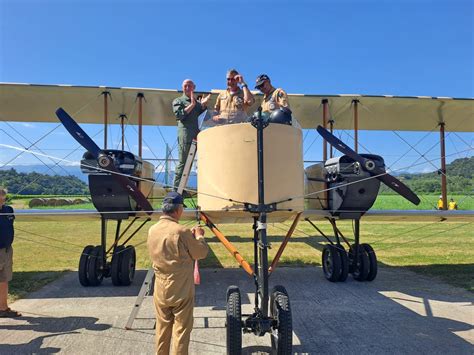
(37,103)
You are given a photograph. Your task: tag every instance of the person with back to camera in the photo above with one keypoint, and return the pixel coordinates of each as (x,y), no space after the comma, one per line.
(173,249)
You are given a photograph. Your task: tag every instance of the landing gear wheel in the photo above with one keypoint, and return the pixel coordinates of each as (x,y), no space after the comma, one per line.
(127,266)
(372,262)
(83,262)
(115,265)
(331,263)
(280,310)
(234,321)
(344,263)
(95,266)
(361,269)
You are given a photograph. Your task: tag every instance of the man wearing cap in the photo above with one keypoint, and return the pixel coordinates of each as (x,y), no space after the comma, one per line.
(173,249)
(272,98)
(6,254)
(232,105)
(187,109)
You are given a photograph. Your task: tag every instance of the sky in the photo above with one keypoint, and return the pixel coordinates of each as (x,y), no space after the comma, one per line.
(374,47)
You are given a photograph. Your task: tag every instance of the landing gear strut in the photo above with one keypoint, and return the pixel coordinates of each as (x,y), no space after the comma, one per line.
(359,260)
(272,313)
(94,263)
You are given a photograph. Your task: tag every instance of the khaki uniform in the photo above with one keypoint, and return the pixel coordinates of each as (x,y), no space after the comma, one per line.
(232,108)
(276,99)
(173,249)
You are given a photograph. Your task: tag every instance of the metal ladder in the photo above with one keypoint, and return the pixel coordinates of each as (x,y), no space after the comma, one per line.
(147,286)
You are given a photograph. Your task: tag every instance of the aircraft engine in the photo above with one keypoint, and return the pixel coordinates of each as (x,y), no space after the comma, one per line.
(342,186)
(107,194)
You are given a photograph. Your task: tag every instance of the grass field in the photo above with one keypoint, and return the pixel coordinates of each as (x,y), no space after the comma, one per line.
(383,202)
(45,250)
(428,202)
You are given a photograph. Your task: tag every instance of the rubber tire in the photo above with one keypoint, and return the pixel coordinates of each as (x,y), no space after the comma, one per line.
(127,266)
(281,311)
(372,262)
(83,262)
(331,262)
(362,270)
(115,265)
(344,263)
(233,321)
(95,267)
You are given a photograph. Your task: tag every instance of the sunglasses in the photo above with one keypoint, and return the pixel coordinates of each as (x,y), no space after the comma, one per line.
(259,87)
(230,79)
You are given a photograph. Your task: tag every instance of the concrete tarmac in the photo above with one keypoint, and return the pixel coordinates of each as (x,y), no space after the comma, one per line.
(399,312)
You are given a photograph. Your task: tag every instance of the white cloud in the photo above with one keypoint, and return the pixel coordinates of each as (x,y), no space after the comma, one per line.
(27,125)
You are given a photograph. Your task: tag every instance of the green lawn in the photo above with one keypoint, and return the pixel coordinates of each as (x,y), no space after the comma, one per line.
(44,250)
(383,202)
(428,202)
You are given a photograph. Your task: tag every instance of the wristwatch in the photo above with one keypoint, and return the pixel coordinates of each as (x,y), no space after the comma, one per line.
(244,85)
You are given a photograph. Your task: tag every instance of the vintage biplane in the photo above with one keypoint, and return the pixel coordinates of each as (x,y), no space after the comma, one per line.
(248,172)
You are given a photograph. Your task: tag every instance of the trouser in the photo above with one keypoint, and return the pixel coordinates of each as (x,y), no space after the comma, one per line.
(184,144)
(173,323)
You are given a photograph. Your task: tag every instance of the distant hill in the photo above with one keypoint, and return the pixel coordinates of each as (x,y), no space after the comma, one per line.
(459,172)
(62,170)
(50,181)
(41,184)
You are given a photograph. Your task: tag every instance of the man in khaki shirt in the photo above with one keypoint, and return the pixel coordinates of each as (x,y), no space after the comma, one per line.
(173,249)
(272,98)
(232,105)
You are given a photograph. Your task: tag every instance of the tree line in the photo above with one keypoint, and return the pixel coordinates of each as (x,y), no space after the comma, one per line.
(459,175)
(41,184)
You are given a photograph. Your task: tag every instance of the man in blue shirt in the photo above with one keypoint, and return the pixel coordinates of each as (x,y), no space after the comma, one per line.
(6,254)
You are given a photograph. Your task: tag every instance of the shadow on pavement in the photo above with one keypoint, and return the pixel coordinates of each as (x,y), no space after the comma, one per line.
(55,326)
